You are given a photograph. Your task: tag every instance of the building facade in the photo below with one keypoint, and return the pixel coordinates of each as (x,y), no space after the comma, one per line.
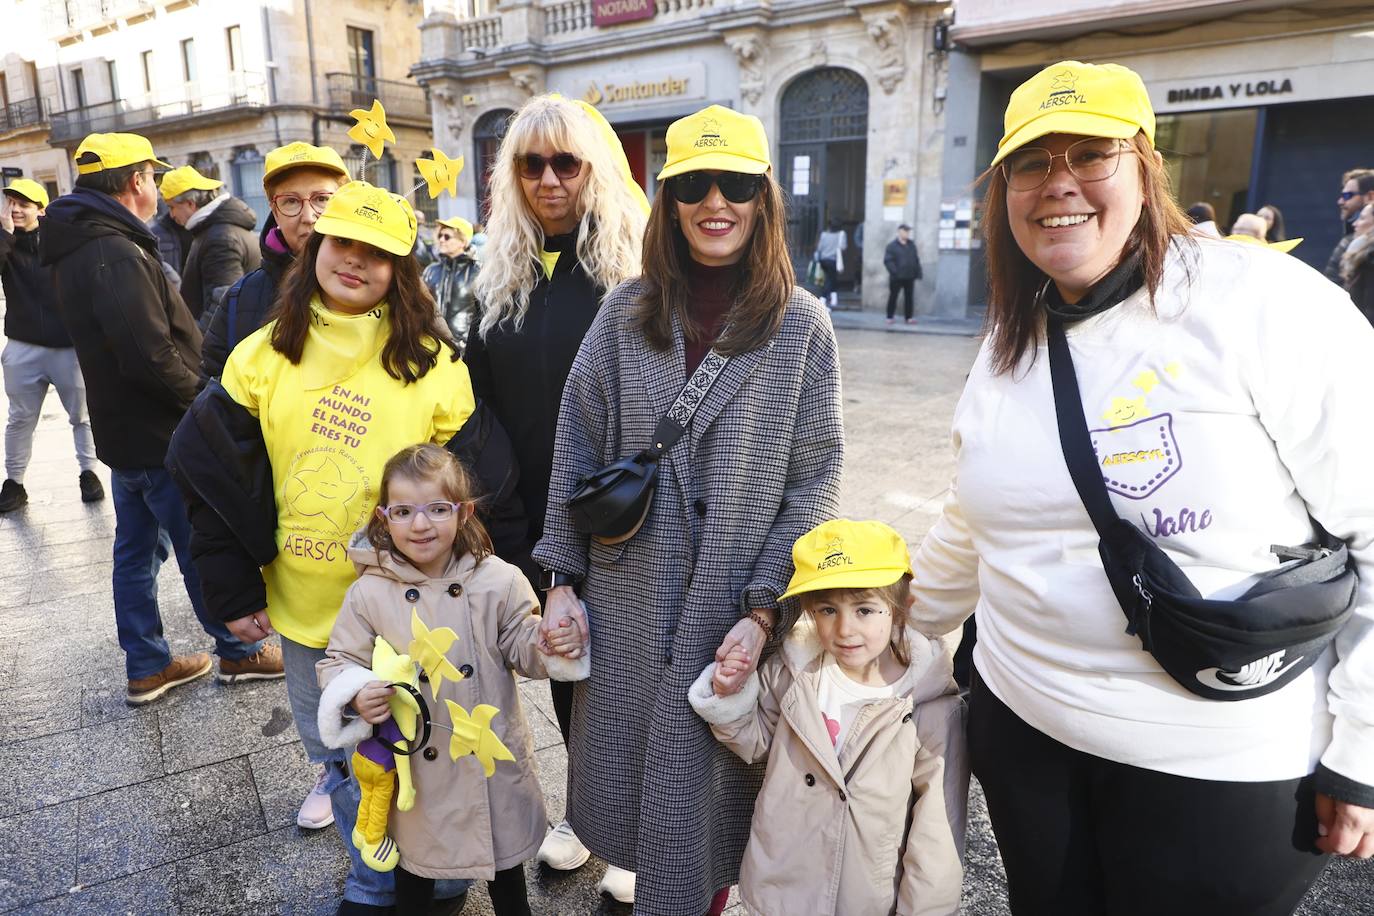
(850,94)
(1258,102)
(214,85)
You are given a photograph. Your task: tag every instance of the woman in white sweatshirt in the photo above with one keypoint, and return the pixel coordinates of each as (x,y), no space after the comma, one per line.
(1225,392)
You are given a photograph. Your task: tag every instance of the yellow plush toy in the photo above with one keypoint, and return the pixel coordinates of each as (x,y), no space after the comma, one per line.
(374,762)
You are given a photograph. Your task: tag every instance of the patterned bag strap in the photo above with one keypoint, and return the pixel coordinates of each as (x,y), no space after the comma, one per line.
(673,424)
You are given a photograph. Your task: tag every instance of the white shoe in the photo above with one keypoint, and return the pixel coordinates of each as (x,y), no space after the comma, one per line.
(562,849)
(317,811)
(619,883)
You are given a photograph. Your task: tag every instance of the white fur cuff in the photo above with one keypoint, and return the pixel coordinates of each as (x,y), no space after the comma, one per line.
(719,710)
(334,730)
(562,668)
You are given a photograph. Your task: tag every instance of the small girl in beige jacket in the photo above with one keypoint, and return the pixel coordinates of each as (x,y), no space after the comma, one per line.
(863,804)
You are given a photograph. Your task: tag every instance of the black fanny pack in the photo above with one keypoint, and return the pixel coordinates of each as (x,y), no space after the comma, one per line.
(612,503)
(1219,649)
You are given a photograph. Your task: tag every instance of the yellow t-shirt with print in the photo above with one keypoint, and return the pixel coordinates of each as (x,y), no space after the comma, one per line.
(330,424)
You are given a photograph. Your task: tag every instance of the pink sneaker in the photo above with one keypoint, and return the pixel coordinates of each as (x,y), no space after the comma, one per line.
(317,812)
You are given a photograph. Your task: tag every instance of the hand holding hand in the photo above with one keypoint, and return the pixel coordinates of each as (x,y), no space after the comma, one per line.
(1344,829)
(252,628)
(565,639)
(732,673)
(739,655)
(371,702)
(560,605)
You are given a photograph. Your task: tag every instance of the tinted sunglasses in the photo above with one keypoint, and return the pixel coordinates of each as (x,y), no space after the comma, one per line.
(736,187)
(532,165)
(1346,195)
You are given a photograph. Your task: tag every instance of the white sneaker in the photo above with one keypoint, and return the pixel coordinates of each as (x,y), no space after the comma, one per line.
(619,883)
(316,811)
(562,849)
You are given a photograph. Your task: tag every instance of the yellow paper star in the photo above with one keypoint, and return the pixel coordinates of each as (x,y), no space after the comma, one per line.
(371,130)
(1146,381)
(472,734)
(429,648)
(440,173)
(1174,370)
(322,490)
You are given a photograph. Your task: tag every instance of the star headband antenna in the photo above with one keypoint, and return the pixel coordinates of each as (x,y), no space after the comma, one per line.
(371,130)
(440,174)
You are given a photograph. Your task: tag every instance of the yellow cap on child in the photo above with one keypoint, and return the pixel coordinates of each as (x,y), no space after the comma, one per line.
(847,554)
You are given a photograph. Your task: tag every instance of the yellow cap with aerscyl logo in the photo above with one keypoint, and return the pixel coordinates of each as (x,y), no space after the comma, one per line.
(298,155)
(114,151)
(180,180)
(847,554)
(28,189)
(1090,100)
(372,215)
(459,224)
(717,139)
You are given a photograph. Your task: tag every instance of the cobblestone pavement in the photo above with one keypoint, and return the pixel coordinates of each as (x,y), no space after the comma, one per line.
(188,806)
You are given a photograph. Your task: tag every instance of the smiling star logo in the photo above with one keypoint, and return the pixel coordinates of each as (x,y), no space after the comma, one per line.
(321,488)
(1125,410)
(371,130)
(1064,81)
(440,173)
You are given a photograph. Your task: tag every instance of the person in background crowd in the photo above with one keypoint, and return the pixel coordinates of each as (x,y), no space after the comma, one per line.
(1098,767)
(1204,219)
(424,252)
(298,179)
(830,254)
(903,270)
(1357,265)
(478,242)
(38,352)
(222,244)
(1273,221)
(451,277)
(1357,190)
(138,348)
(173,241)
(567,222)
(1250,224)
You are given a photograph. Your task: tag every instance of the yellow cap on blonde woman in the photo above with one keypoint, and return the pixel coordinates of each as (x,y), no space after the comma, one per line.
(1092,100)
(369,214)
(847,554)
(717,139)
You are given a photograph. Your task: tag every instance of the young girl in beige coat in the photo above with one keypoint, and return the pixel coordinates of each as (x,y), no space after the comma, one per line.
(430,588)
(863,804)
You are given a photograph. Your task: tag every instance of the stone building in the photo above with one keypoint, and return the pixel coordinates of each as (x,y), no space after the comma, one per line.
(850,93)
(212,84)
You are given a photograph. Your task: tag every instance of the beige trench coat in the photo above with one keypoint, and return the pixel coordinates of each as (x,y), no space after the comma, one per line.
(830,834)
(463,824)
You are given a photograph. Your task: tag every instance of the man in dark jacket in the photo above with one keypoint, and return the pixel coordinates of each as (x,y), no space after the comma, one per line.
(450,278)
(138,348)
(39,352)
(224,246)
(1357,190)
(173,242)
(903,270)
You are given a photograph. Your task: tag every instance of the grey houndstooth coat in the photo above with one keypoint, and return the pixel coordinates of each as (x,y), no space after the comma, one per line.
(649,788)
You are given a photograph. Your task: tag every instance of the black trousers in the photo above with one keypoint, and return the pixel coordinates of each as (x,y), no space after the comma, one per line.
(562,692)
(1083,835)
(508,895)
(906,287)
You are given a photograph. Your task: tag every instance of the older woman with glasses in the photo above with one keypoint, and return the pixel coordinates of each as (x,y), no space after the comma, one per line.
(1217,391)
(757,465)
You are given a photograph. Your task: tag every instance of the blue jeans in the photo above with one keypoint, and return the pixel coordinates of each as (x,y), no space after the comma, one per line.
(303,691)
(151,523)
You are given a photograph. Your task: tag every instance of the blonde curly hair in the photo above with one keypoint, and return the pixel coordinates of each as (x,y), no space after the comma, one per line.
(610,232)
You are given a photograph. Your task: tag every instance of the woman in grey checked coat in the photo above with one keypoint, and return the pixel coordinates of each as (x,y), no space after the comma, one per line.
(649,789)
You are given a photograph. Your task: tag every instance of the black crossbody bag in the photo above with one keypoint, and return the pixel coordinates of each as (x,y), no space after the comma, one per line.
(1219,649)
(612,503)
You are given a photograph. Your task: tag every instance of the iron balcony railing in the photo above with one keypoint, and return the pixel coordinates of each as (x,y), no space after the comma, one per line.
(402,101)
(22,114)
(245,91)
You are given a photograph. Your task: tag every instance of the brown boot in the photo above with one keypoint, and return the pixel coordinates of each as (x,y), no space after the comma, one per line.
(264,665)
(182,670)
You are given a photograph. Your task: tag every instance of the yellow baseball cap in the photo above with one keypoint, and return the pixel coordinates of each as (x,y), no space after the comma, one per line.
(458,223)
(1285,246)
(28,189)
(295,155)
(115,151)
(847,554)
(369,214)
(1092,100)
(716,138)
(179,181)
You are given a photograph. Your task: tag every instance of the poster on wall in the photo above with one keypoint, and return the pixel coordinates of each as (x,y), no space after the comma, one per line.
(614,12)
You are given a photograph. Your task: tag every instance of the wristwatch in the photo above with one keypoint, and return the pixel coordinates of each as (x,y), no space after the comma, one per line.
(548,579)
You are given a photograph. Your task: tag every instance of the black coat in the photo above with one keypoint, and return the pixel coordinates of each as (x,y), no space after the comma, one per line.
(137,343)
(450,282)
(902,261)
(223,248)
(173,241)
(253,297)
(30,300)
(520,374)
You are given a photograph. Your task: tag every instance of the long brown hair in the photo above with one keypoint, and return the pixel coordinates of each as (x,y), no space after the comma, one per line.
(765,280)
(427,463)
(1014,319)
(417,338)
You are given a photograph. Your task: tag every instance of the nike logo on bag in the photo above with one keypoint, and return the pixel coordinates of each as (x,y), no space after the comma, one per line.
(1251,676)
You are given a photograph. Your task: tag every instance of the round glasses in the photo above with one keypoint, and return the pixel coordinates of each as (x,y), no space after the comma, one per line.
(1090,159)
(532,165)
(291,204)
(736,187)
(437,511)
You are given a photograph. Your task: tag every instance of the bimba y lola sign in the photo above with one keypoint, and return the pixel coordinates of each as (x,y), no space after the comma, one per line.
(612,12)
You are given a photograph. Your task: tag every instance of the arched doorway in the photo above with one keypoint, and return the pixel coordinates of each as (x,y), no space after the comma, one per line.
(823,143)
(487,135)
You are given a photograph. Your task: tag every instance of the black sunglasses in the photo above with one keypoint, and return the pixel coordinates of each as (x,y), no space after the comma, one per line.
(736,187)
(532,165)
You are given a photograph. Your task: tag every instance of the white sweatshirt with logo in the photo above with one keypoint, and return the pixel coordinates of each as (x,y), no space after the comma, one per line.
(1220,423)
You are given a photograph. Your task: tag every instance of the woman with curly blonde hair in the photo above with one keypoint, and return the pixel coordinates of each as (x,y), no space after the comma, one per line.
(567,222)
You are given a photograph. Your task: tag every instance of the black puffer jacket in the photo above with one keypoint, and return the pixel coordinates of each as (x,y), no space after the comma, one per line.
(30,300)
(223,248)
(450,282)
(252,298)
(902,261)
(138,345)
